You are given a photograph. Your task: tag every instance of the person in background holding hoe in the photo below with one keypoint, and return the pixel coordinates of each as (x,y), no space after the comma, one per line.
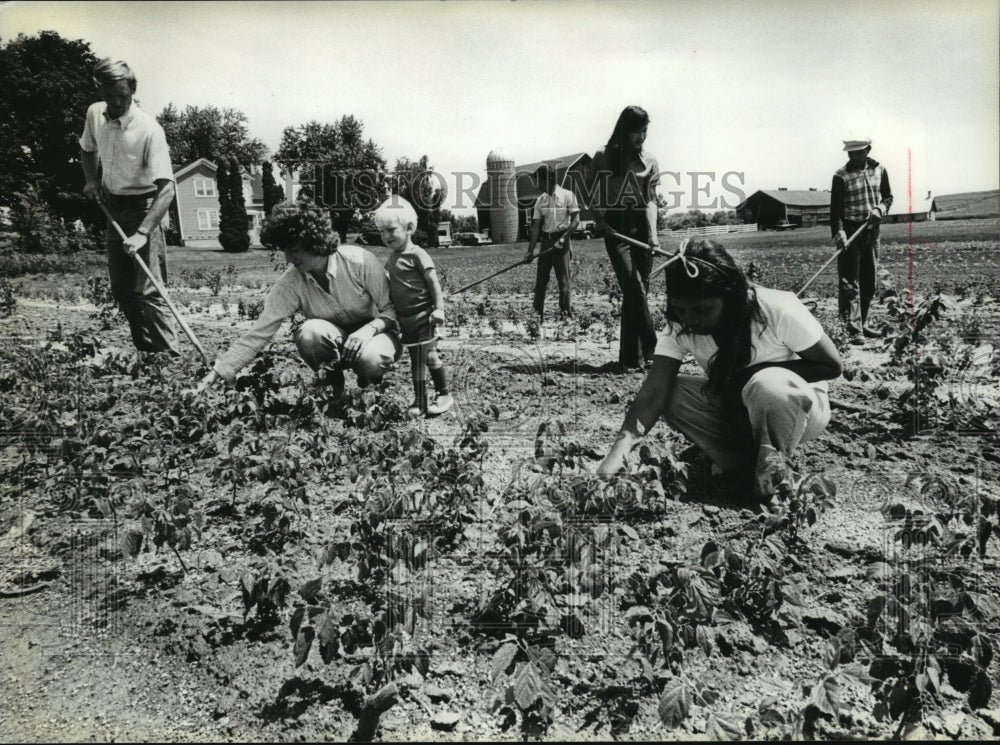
(623,178)
(555,217)
(419,302)
(860,194)
(136,186)
(341,290)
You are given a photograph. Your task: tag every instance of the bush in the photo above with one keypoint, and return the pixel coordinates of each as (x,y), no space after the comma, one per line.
(172,236)
(370,235)
(40,242)
(233,235)
(421,239)
(8,298)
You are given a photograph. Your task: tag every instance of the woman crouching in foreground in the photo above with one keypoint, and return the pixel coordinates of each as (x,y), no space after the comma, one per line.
(767,360)
(342,291)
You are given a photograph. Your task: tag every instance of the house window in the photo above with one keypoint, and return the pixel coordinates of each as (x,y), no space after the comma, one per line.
(204,187)
(208,219)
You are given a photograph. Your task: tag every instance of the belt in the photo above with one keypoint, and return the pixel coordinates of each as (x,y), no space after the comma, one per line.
(126,198)
(552,234)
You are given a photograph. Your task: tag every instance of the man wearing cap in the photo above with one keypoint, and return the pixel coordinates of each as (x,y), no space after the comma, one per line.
(136,185)
(860,194)
(556,215)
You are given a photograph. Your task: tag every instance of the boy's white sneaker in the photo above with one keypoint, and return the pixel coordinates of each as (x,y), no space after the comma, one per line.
(416,410)
(442,402)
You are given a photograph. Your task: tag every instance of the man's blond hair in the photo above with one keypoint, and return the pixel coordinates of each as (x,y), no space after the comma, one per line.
(109,71)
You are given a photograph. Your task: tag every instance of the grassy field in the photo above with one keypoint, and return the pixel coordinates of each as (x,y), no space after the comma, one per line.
(969,205)
(265,563)
(951,255)
(959,256)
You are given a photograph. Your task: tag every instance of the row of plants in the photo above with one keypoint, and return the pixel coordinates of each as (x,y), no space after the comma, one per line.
(413,501)
(927,638)
(272,440)
(553,565)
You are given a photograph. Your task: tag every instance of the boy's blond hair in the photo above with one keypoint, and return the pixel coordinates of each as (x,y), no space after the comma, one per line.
(395,211)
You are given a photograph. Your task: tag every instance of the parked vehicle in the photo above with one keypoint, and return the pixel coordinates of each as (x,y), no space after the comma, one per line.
(444,235)
(474,239)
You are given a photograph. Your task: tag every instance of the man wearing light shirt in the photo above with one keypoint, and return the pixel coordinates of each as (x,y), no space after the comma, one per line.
(136,185)
(343,292)
(555,217)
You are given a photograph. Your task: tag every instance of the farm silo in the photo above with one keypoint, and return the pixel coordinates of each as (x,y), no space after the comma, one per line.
(503,197)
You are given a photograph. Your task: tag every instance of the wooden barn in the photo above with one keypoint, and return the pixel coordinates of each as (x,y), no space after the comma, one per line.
(772,207)
(570,169)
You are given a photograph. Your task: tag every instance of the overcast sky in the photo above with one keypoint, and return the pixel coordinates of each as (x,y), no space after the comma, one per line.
(767,89)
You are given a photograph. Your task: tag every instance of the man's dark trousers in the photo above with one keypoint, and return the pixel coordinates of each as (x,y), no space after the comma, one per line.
(558,260)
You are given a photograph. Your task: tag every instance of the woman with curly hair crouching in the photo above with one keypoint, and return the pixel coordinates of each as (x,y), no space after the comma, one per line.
(343,292)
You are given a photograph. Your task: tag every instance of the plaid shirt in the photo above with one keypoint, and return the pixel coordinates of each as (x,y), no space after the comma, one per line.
(856,192)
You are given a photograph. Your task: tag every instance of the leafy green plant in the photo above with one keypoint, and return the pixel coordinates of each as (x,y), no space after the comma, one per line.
(756,584)
(264,589)
(8,298)
(523,691)
(935,626)
(909,323)
(273,514)
(176,523)
(214,281)
(108,311)
(670,610)
(798,500)
(376,658)
(249,310)
(927,630)
(822,696)
(676,699)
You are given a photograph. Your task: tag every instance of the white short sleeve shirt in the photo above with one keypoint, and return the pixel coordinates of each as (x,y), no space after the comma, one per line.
(132,149)
(788,329)
(555,210)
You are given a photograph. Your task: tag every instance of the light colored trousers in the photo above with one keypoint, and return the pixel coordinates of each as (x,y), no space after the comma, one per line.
(784,410)
(320,342)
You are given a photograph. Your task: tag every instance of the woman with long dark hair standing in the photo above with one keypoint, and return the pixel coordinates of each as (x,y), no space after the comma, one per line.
(623,179)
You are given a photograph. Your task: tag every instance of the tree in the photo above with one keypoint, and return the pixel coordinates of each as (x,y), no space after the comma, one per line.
(210,133)
(662,216)
(416,182)
(725,217)
(689,219)
(337,167)
(45,90)
(273,194)
(233,235)
(222,190)
(464,224)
